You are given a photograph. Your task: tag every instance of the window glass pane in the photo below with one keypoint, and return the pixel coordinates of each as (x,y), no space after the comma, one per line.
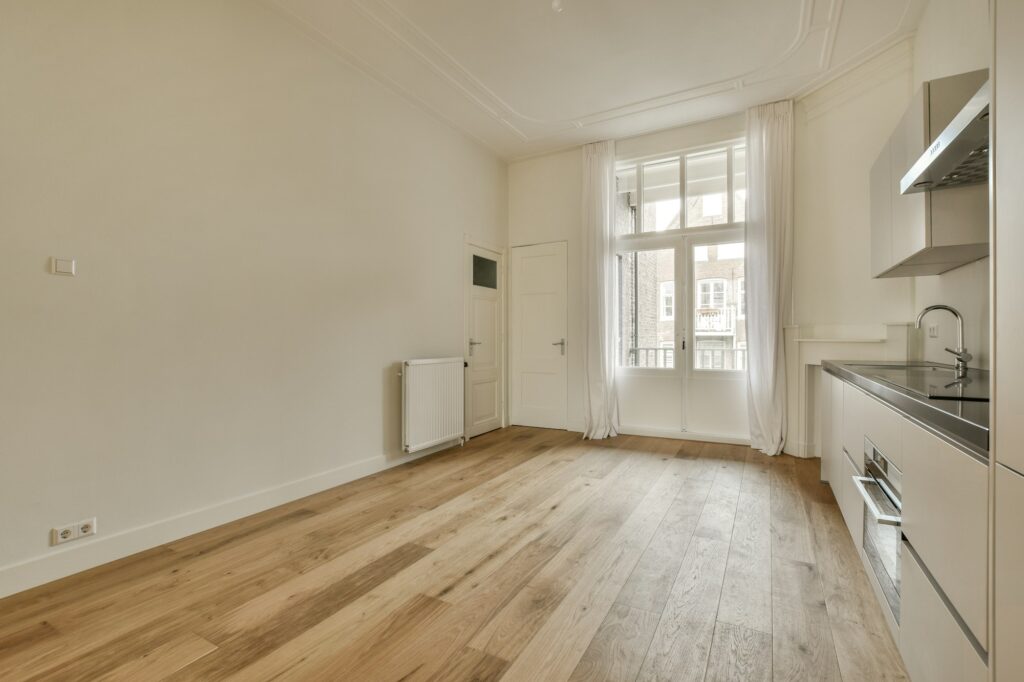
(646,294)
(720,336)
(625,200)
(706,188)
(485,272)
(739,183)
(661,195)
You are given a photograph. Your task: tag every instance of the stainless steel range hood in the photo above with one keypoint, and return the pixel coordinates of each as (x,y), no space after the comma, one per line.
(959,155)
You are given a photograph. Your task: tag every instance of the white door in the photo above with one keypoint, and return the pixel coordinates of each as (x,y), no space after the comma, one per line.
(484,341)
(537,319)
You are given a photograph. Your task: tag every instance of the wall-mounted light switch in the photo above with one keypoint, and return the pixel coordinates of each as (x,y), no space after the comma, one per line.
(933,331)
(63,266)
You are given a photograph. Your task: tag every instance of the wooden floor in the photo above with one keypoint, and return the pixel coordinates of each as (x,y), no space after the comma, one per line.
(527,555)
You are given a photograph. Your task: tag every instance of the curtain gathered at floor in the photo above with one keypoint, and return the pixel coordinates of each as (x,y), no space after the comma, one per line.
(769,225)
(601,405)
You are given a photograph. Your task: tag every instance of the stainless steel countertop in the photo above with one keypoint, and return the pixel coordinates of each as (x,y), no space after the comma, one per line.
(962,422)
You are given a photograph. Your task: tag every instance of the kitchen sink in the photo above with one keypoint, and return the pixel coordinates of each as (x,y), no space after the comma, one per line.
(932,381)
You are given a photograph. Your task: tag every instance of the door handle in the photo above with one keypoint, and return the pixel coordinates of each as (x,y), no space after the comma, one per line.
(560,342)
(473,343)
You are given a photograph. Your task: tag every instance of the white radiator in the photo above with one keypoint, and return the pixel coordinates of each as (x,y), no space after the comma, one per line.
(433,407)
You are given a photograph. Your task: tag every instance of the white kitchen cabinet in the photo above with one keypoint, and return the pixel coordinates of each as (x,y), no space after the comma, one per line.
(1008,103)
(831,410)
(1009,575)
(934,646)
(945,519)
(851,504)
(926,233)
(882,426)
(853,424)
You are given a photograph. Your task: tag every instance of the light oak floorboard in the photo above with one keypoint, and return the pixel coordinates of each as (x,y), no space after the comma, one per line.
(528,554)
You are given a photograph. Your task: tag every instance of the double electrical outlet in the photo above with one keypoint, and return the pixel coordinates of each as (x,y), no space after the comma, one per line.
(73,531)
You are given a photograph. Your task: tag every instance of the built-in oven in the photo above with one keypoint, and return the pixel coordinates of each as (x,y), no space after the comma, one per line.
(881,488)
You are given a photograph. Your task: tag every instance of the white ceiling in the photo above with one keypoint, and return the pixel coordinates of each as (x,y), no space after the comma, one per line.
(524,79)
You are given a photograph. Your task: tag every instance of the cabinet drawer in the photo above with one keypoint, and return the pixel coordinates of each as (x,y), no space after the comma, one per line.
(945,518)
(933,645)
(882,425)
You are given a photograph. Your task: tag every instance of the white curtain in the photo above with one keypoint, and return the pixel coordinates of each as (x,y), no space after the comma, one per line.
(769,265)
(601,405)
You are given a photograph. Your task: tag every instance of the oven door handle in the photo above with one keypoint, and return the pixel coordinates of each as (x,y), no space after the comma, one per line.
(885,519)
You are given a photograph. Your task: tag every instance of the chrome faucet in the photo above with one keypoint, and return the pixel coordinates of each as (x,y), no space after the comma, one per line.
(960,353)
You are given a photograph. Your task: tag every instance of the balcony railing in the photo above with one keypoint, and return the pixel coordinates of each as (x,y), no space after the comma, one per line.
(715,321)
(651,357)
(720,358)
(703,358)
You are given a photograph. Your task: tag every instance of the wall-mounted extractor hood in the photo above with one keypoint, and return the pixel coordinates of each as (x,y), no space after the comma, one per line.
(959,155)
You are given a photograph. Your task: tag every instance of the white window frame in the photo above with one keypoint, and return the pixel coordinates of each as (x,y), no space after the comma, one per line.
(682,240)
(658,243)
(666,300)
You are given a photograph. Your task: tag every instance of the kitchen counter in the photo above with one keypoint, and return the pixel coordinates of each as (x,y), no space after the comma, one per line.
(964,422)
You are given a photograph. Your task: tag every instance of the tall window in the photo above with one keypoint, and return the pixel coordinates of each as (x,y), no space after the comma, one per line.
(720,336)
(646,335)
(693,202)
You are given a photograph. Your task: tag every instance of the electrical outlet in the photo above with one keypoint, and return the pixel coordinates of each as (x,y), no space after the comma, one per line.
(86,527)
(58,536)
(933,331)
(73,531)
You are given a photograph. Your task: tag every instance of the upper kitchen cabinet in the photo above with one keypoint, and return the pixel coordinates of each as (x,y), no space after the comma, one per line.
(928,232)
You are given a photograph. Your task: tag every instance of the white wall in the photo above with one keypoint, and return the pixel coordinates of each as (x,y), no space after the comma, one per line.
(840,130)
(953,37)
(545,206)
(261,233)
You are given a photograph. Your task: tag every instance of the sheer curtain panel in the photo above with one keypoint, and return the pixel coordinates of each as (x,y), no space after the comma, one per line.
(600,409)
(769,266)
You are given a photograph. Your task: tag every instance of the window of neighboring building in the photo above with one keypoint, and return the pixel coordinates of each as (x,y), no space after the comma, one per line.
(711,293)
(666,304)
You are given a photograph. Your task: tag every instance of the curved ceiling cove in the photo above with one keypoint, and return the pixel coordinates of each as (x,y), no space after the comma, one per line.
(523,78)
(599,55)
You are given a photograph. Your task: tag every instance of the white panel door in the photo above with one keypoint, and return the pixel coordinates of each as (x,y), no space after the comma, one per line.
(484,347)
(538,341)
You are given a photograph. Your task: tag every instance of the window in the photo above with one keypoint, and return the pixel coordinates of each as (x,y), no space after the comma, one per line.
(711,293)
(645,337)
(666,303)
(693,190)
(739,183)
(625,200)
(693,201)
(661,195)
(720,338)
(485,272)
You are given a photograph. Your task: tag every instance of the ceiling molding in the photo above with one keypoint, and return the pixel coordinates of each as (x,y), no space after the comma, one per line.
(419,44)
(390,47)
(338,51)
(892,61)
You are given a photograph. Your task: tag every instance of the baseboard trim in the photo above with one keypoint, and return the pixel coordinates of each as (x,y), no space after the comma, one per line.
(682,435)
(65,561)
